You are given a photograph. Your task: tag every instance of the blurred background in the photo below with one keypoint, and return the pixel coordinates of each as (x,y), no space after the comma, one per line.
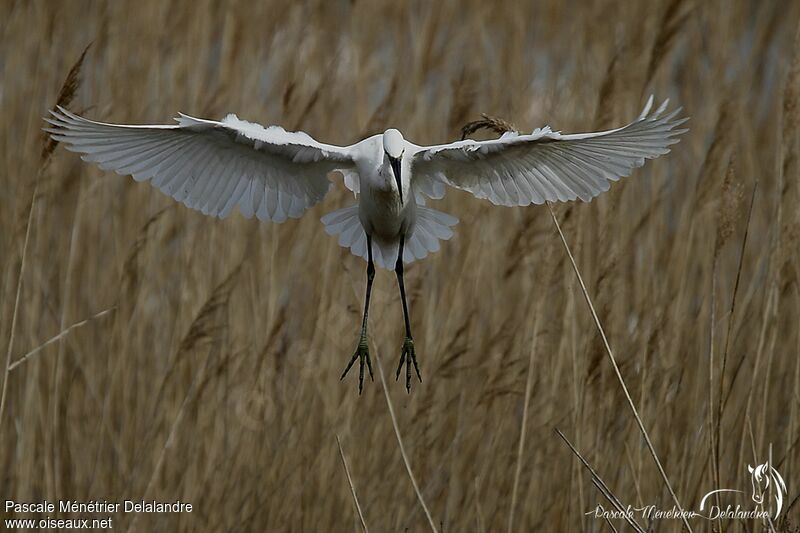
(201,358)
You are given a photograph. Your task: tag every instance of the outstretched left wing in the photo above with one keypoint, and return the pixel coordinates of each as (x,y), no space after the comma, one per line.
(546,166)
(212,166)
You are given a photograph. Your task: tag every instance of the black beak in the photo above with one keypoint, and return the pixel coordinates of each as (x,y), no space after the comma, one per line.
(395,162)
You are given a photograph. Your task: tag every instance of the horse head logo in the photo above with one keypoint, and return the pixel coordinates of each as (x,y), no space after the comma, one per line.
(765,480)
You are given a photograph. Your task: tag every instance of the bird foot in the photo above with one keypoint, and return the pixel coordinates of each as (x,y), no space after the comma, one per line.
(362,354)
(407,357)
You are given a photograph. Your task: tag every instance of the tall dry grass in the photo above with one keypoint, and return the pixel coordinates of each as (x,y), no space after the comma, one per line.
(158,354)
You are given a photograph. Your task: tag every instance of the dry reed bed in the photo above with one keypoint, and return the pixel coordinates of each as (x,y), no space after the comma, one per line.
(214,376)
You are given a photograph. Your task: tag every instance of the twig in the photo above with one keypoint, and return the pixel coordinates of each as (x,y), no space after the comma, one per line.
(479,512)
(602,487)
(402,448)
(733,304)
(64,333)
(523,424)
(711,327)
(488,122)
(21,274)
(608,521)
(352,487)
(617,372)
(722,400)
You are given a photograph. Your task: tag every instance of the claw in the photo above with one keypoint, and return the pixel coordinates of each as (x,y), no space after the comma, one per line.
(369,367)
(362,354)
(407,357)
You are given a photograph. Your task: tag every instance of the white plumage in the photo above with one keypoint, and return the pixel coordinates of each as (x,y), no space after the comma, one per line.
(274,174)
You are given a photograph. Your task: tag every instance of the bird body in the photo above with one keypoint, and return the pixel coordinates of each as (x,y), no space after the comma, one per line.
(273,174)
(384,215)
(384,209)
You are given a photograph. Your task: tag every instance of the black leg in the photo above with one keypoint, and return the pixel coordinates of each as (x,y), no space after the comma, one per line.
(408,355)
(362,350)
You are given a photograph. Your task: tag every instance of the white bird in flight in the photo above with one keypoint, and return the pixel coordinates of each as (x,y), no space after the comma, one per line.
(274,174)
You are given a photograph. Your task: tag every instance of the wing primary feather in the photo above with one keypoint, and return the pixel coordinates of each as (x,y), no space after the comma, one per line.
(172,172)
(218,196)
(221,185)
(233,200)
(207,182)
(126,159)
(568,175)
(149,167)
(190,176)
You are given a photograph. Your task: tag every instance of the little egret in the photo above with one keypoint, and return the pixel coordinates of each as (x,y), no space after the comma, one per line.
(274,174)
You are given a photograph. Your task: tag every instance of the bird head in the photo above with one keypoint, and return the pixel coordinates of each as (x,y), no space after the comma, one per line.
(394,145)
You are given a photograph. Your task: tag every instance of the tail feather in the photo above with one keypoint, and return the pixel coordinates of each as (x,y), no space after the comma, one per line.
(346,224)
(384,254)
(431,227)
